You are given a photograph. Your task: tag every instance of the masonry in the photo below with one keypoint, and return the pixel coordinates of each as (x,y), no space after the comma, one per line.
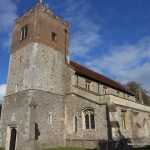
(74,106)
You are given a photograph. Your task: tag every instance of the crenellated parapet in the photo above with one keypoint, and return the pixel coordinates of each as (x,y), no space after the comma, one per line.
(50,12)
(24,15)
(40,7)
(40,25)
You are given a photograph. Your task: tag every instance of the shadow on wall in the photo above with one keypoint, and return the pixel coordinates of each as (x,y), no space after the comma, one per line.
(120,144)
(114,145)
(37,132)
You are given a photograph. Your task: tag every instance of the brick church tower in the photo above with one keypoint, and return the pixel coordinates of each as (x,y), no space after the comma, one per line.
(37,74)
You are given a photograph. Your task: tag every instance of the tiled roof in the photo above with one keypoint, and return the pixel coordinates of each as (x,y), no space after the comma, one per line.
(88,73)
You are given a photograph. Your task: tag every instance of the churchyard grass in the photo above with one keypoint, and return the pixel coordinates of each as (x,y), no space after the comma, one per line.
(67,148)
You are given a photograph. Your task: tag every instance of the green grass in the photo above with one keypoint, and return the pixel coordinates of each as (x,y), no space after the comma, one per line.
(142,148)
(62,148)
(67,148)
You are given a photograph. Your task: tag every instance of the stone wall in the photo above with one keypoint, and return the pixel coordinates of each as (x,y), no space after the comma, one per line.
(101,89)
(134,117)
(49,134)
(15,112)
(44,72)
(36,66)
(74,107)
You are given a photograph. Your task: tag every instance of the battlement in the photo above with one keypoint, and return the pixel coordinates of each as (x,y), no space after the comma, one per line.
(24,15)
(39,25)
(40,7)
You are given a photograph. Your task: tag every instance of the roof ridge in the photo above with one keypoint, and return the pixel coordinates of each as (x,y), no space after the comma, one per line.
(92,70)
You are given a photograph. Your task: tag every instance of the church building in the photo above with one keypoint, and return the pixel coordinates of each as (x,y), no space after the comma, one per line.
(55,102)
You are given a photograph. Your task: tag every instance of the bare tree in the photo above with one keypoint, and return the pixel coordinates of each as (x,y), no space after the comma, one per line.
(136,87)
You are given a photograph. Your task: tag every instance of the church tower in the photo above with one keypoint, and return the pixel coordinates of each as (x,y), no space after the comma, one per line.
(40,44)
(37,72)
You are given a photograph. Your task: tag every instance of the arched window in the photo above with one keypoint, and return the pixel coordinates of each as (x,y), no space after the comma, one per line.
(92,121)
(89,120)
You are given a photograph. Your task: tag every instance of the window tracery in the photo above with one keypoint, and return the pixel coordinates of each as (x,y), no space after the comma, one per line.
(89,119)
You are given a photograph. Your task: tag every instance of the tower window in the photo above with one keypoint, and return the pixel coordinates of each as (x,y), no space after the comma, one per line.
(89,119)
(24,32)
(54,36)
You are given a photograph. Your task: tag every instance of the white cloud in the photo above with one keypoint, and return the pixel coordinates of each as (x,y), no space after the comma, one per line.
(85,32)
(140,74)
(7,20)
(2,91)
(8,13)
(6,41)
(83,41)
(126,62)
(7,6)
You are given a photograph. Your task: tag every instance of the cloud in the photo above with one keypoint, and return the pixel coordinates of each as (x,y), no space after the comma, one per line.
(8,13)
(7,20)
(125,63)
(85,33)
(2,91)
(140,73)
(8,6)
(6,41)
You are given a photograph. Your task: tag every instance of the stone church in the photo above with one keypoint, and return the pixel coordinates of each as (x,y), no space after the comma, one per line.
(56,102)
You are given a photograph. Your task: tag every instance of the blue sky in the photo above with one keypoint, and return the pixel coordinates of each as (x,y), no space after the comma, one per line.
(111,37)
